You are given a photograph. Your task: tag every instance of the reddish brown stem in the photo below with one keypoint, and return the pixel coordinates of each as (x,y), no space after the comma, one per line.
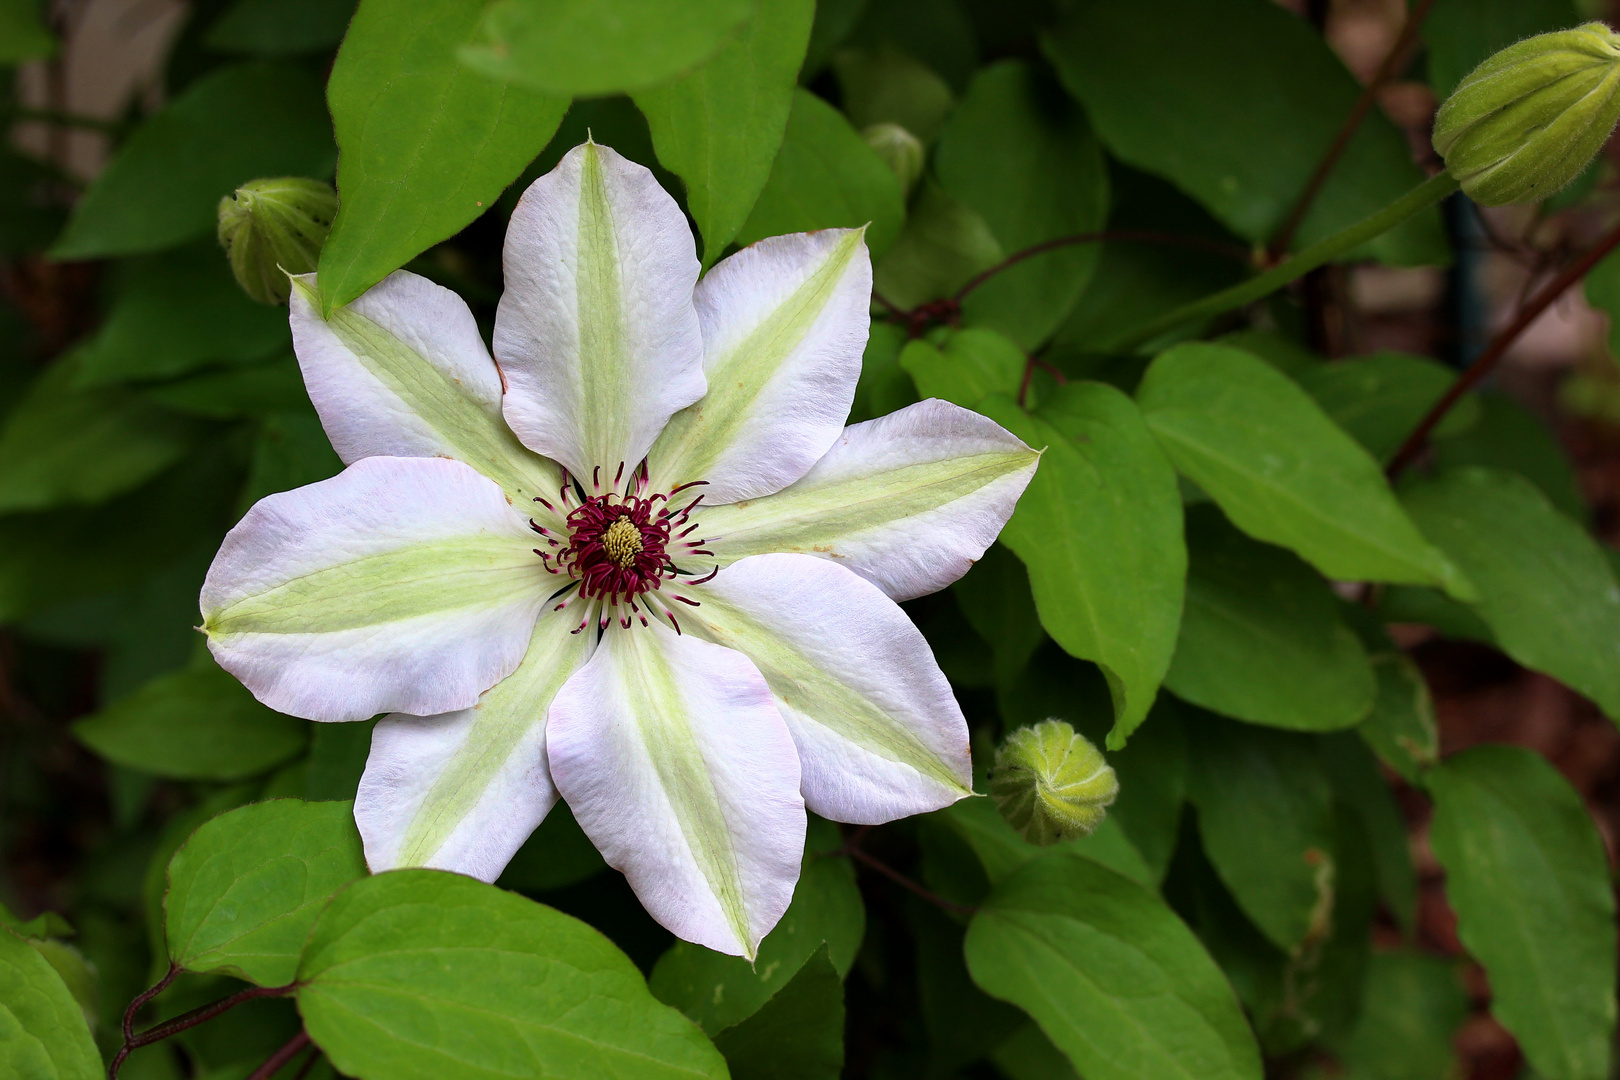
(1136,236)
(900,879)
(129,1018)
(1347,130)
(275,1061)
(185,1021)
(1482,365)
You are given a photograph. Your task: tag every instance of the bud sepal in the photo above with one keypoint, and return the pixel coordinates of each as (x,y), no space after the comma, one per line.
(1052,784)
(272,228)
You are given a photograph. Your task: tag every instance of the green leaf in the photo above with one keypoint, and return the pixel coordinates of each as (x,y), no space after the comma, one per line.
(555,855)
(176,312)
(42,1029)
(62,446)
(1188,91)
(1546,590)
(797,1035)
(1021,156)
(274,386)
(1411,1008)
(1265,815)
(1001,850)
(22,35)
(720,127)
(421,974)
(1030,1055)
(824,177)
(427,145)
(1137,280)
(1358,785)
(1401,727)
(592,47)
(1282,470)
(973,365)
(1099,528)
(246,888)
(886,85)
(30,217)
(1528,877)
(1462,33)
(290,450)
(47,924)
(193,725)
(995,599)
(1261,637)
(1380,399)
(718,991)
(280,27)
(1510,437)
(943,244)
(1152,773)
(962,1022)
(233,125)
(337,760)
(1110,974)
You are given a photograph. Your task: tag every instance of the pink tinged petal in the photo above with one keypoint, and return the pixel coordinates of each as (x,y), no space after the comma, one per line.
(879,733)
(784,326)
(403,372)
(678,766)
(462,791)
(596,332)
(401,584)
(908,501)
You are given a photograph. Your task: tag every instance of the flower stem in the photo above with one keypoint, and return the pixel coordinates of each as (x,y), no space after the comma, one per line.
(1424,195)
(1498,348)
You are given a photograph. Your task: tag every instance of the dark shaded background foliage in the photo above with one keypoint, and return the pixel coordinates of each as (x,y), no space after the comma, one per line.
(97,599)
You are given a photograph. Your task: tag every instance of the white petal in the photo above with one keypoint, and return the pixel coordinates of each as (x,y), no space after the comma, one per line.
(461,791)
(879,732)
(677,765)
(908,501)
(401,584)
(402,372)
(596,331)
(784,326)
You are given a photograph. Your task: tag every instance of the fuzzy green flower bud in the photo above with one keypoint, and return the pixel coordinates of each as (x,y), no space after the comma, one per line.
(1528,120)
(900,150)
(272,228)
(1051,784)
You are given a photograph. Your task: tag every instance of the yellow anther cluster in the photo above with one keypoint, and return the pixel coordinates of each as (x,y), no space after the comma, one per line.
(622,541)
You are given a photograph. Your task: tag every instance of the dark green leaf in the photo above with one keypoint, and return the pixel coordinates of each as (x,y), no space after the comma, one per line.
(720,127)
(718,991)
(1189,91)
(1528,877)
(424,974)
(885,85)
(1138,279)
(42,1029)
(237,124)
(1411,1009)
(1462,33)
(973,365)
(271,387)
(280,27)
(797,1035)
(884,385)
(176,312)
(62,446)
(1100,530)
(1111,975)
(940,33)
(555,855)
(943,244)
(1030,1055)
(1262,638)
(30,210)
(1546,590)
(291,450)
(195,725)
(22,36)
(1152,773)
(1265,814)
(962,1022)
(1359,785)
(427,144)
(590,47)
(1379,399)
(1281,469)
(825,176)
(995,599)
(1023,158)
(246,888)
(1430,607)
(1510,437)
(1401,727)
(1001,850)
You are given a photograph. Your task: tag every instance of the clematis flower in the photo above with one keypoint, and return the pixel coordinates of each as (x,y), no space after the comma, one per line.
(636,559)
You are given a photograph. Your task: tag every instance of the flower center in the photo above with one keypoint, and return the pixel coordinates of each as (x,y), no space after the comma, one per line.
(621,547)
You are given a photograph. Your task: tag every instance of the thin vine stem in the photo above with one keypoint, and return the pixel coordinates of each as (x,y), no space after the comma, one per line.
(185,1021)
(904,882)
(1130,236)
(1347,130)
(275,1061)
(1323,251)
(1487,360)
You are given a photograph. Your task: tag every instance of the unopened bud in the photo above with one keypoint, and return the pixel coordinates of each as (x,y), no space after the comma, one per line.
(1051,784)
(900,150)
(1530,119)
(272,228)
